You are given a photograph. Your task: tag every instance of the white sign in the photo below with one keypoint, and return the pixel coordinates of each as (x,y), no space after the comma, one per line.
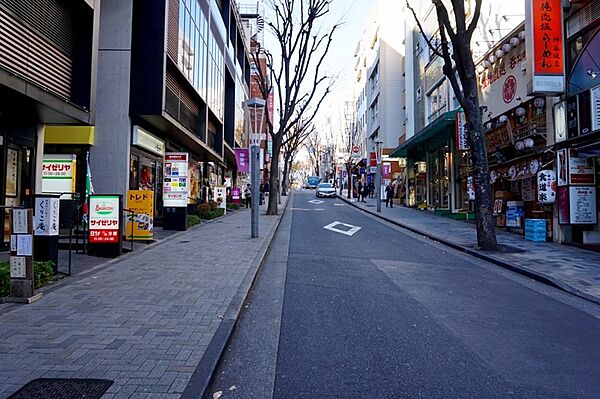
(143,139)
(503,85)
(582,205)
(561,168)
(220,196)
(355,152)
(546,187)
(560,121)
(373,169)
(581,170)
(595,98)
(175,183)
(19,221)
(46,216)
(104,216)
(18,267)
(24,245)
(462,141)
(470,189)
(58,174)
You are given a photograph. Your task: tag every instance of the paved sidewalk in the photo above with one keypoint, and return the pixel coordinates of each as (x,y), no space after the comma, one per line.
(573,269)
(144,321)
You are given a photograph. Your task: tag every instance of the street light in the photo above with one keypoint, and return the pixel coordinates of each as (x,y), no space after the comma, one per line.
(257,105)
(379,151)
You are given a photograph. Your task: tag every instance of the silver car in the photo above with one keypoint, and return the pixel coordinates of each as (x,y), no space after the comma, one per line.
(325,190)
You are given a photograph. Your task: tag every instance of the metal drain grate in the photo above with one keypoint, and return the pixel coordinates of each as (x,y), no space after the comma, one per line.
(62,388)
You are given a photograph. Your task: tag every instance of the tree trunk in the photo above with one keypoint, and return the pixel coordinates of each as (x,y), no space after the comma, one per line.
(273,178)
(486,223)
(284,183)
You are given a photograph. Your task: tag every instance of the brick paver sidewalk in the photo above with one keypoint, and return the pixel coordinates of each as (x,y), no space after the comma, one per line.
(573,269)
(144,321)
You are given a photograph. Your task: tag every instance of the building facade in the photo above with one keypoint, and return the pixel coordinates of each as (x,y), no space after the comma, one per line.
(172,78)
(48,60)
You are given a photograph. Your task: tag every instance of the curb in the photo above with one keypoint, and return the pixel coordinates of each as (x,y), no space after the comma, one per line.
(202,375)
(514,268)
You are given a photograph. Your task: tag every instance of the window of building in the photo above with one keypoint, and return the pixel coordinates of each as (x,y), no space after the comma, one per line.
(437,101)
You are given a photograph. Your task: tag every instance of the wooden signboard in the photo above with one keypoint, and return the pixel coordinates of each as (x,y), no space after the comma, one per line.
(21,257)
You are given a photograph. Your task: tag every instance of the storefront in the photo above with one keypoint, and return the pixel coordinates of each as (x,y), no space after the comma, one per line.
(146,166)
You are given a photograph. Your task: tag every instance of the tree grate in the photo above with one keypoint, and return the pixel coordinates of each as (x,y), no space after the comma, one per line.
(62,388)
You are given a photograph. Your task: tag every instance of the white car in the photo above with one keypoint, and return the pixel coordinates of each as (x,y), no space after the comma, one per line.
(325,190)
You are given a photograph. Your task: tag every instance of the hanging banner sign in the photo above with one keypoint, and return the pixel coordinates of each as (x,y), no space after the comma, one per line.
(242,158)
(373,159)
(104,219)
(46,216)
(462,142)
(175,183)
(140,225)
(386,170)
(546,67)
(58,174)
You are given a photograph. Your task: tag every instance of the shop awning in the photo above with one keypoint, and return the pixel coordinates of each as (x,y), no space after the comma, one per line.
(67,134)
(434,129)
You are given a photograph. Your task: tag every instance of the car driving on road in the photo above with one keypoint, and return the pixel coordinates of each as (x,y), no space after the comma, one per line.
(325,190)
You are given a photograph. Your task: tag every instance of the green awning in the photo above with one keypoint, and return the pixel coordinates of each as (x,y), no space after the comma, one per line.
(434,129)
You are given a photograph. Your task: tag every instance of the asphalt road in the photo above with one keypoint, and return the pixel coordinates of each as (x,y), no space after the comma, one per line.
(377,312)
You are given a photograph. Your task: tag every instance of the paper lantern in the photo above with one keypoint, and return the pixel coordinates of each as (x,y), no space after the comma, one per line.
(499,53)
(506,47)
(515,41)
(546,187)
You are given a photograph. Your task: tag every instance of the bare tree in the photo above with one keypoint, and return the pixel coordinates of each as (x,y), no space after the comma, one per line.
(298,78)
(296,138)
(315,151)
(455,49)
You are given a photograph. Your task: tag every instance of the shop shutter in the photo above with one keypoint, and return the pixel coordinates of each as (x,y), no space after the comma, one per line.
(33,56)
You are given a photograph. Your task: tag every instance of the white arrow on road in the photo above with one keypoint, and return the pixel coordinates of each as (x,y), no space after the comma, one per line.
(349,230)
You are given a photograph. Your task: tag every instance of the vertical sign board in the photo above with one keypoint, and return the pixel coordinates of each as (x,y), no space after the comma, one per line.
(21,255)
(581,170)
(140,225)
(220,197)
(175,183)
(545,53)
(462,142)
(582,205)
(104,219)
(58,174)
(46,216)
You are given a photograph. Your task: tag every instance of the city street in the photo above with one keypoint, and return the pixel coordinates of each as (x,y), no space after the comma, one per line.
(349,306)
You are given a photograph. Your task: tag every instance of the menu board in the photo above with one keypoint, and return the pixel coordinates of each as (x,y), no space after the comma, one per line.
(582,205)
(581,170)
(563,205)
(175,183)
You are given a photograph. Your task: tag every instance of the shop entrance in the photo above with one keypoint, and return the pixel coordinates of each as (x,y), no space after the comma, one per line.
(146,173)
(439,176)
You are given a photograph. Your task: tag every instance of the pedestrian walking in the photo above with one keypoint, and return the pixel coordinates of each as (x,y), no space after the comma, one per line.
(371,189)
(361,193)
(248,195)
(267,188)
(389,195)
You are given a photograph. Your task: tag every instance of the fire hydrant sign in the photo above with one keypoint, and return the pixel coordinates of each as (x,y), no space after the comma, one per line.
(140,226)
(104,215)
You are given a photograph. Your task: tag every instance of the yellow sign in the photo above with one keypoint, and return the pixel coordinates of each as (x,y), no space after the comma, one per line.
(141,203)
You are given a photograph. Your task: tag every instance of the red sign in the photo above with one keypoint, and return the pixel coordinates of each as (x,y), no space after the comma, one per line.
(104,236)
(548,37)
(373,159)
(509,89)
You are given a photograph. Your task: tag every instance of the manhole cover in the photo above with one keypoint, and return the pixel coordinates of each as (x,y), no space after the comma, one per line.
(63,388)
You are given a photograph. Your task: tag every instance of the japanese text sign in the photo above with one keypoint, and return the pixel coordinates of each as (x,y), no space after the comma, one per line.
(140,225)
(175,183)
(58,174)
(242,158)
(104,219)
(544,24)
(46,216)
(462,142)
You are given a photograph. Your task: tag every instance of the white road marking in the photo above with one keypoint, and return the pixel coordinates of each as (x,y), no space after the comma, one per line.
(307,209)
(316,202)
(352,229)
(338,204)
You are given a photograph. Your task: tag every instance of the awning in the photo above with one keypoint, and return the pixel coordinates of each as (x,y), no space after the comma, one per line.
(434,129)
(67,134)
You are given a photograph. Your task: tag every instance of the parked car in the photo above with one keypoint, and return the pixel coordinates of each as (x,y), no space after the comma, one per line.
(325,190)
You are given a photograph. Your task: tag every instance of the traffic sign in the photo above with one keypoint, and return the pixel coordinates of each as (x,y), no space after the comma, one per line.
(355,152)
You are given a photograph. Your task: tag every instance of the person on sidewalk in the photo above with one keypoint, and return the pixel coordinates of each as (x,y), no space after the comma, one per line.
(366,192)
(267,187)
(360,191)
(371,189)
(389,195)
(248,195)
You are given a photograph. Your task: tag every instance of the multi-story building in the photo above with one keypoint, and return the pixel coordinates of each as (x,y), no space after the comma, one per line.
(172,77)
(379,73)
(47,96)
(437,174)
